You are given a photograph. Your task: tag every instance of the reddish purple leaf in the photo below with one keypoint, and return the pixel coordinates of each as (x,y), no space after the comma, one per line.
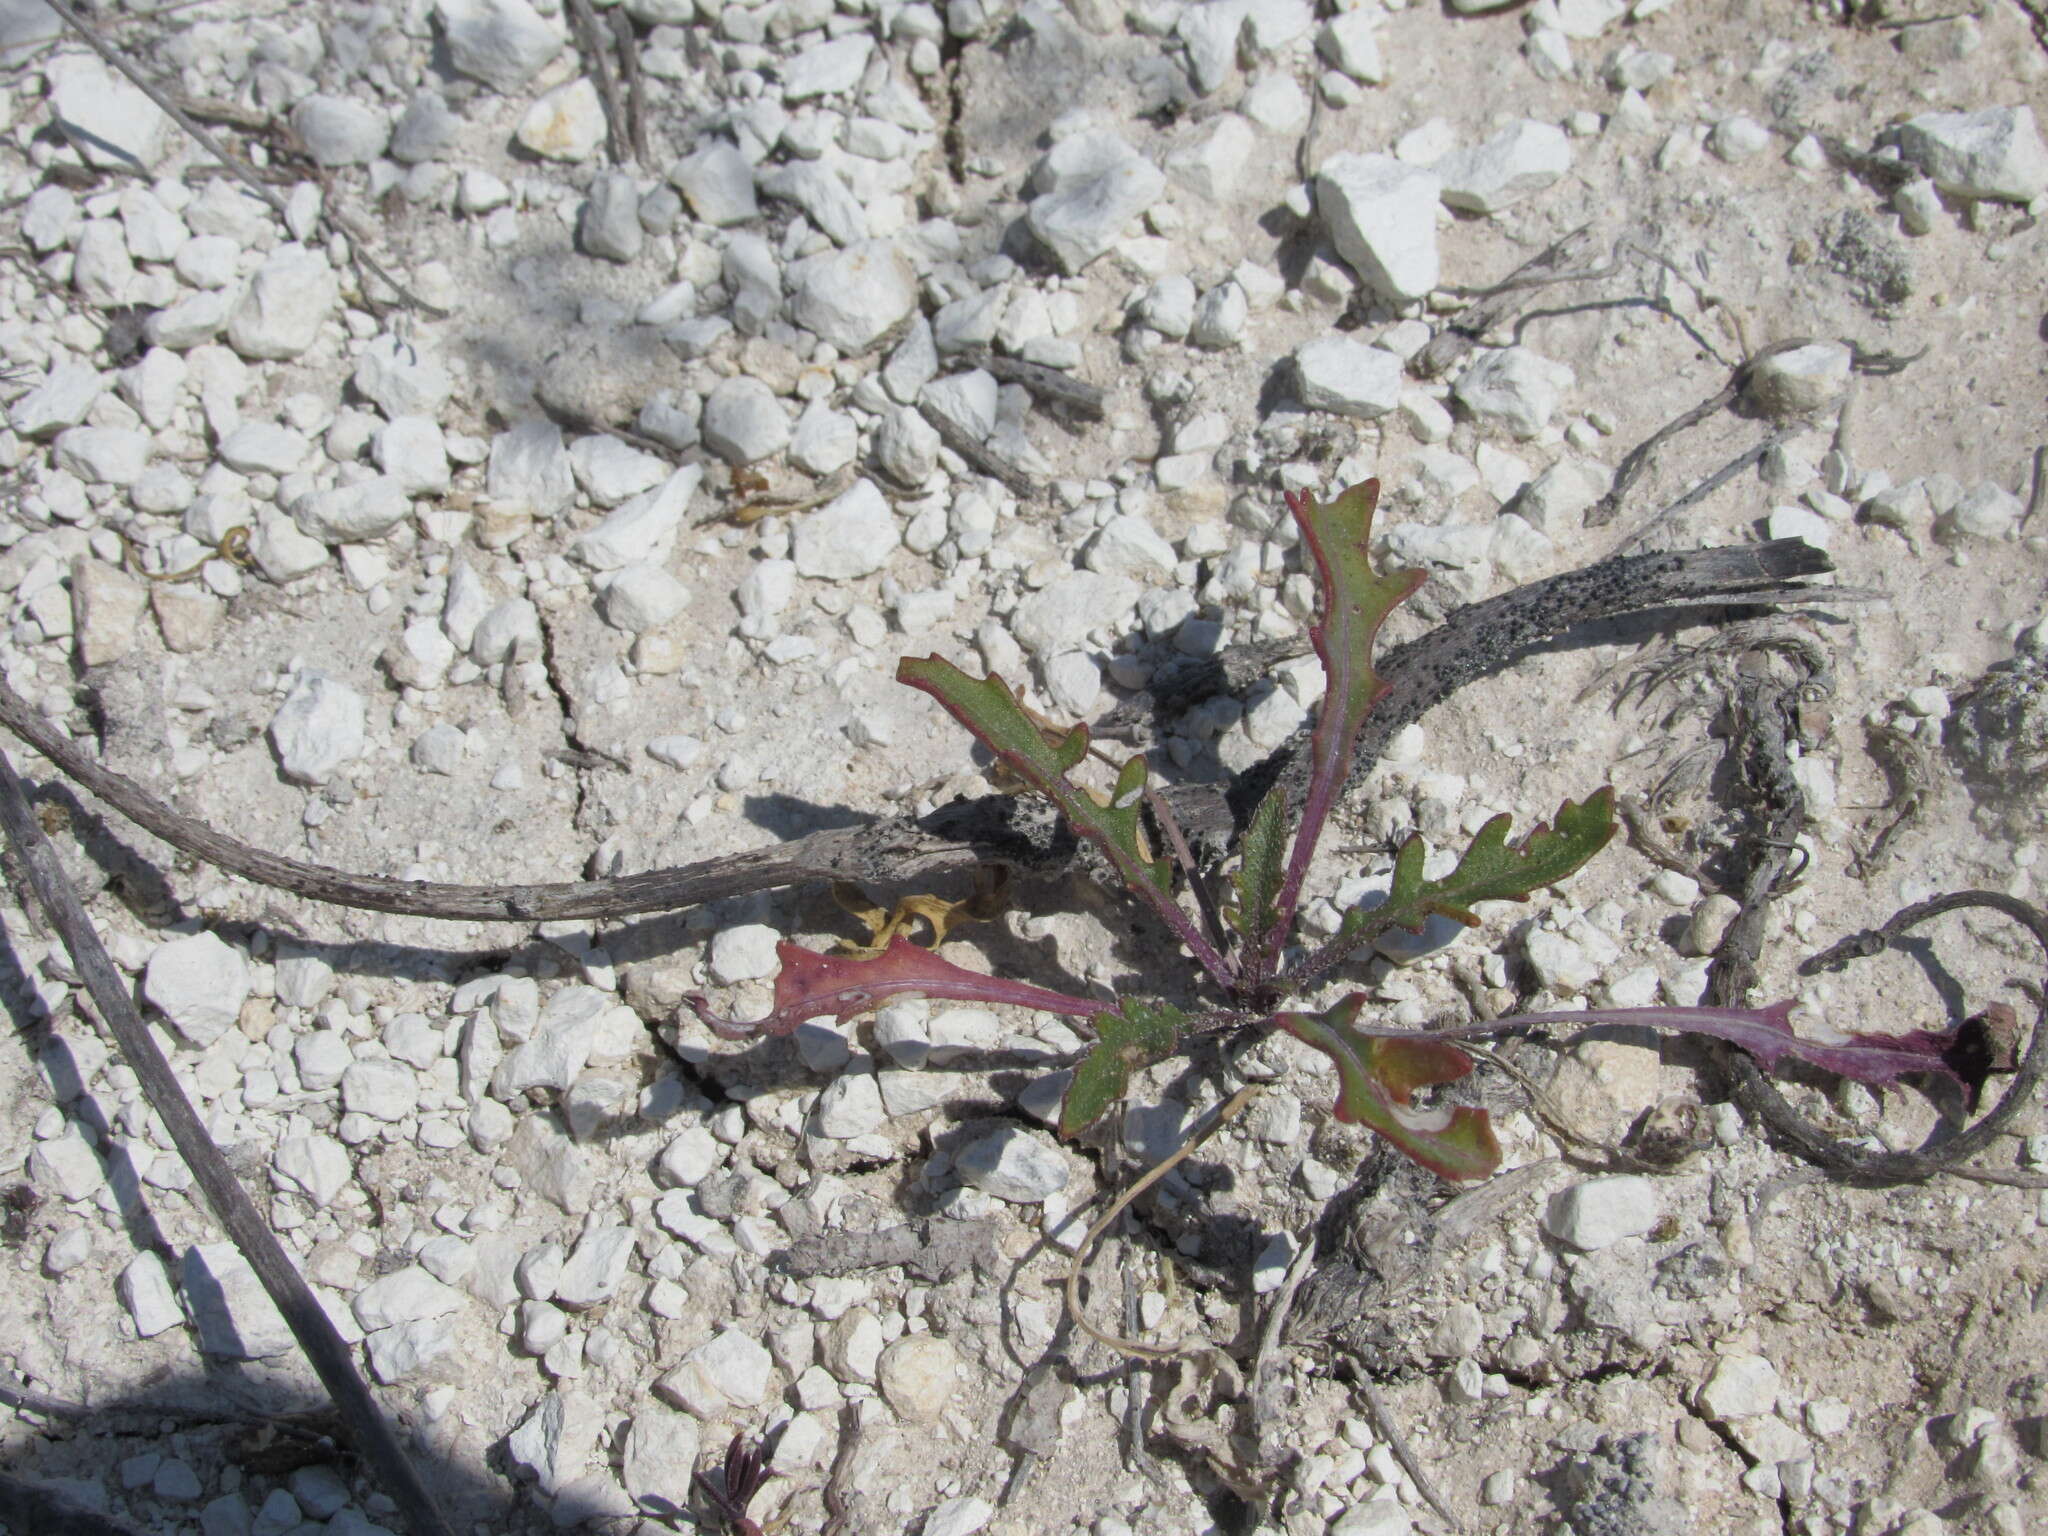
(1766,1033)
(813,985)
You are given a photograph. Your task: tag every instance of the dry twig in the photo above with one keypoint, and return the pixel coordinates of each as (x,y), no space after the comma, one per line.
(329,1356)
(1230,1110)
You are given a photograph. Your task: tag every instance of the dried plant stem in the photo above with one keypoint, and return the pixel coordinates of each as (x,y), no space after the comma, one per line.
(1397,1442)
(1230,1110)
(308,1321)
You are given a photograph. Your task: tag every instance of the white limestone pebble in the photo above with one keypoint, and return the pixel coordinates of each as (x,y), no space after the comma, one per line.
(67,1164)
(110,122)
(1089,187)
(661,1451)
(318,1167)
(959,1517)
(826,69)
(338,130)
(565,1034)
(851,536)
(68,1250)
(1013,1164)
(144,1286)
(404,1296)
(61,400)
(1513,388)
(318,728)
(596,1269)
(439,748)
(233,1314)
(853,297)
(917,1375)
(850,1106)
(413,453)
(1598,1213)
(1059,617)
(744,953)
(280,314)
(743,421)
(610,227)
(730,1369)
(1350,41)
(824,441)
(104,455)
(199,983)
(264,448)
(1742,1386)
(1800,379)
(642,596)
(612,471)
(383,1090)
(719,184)
(1381,215)
(401,378)
(567,124)
(555,1441)
(1349,378)
(530,470)
(1996,153)
(1520,160)
(1738,137)
(106,612)
(644,529)
(503,43)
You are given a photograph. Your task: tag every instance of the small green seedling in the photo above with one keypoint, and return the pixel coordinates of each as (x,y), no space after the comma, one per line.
(1247,949)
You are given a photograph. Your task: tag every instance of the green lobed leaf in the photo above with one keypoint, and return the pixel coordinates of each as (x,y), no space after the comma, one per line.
(1128,1040)
(1377,1077)
(988,709)
(1491,870)
(1258,876)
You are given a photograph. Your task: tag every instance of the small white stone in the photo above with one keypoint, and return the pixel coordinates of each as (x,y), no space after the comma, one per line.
(383,1090)
(1599,1212)
(959,1517)
(744,953)
(1381,215)
(1338,374)
(851,536)
(1013,1164)
(280,315)
(1801,379)
(1513,388)
(1996,153)
(404,1296)
(850,1106)
(1742,1386)
(144,1287)
(199,983)
(503,43)
(1520,160)
(566,124)
(317,729)
(1090,186)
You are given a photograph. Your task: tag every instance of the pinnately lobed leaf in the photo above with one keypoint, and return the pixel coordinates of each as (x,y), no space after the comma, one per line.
(1377,1077)
(1491,870)
(988,708)
(812,986)
(1128,1039)
(1356,600)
